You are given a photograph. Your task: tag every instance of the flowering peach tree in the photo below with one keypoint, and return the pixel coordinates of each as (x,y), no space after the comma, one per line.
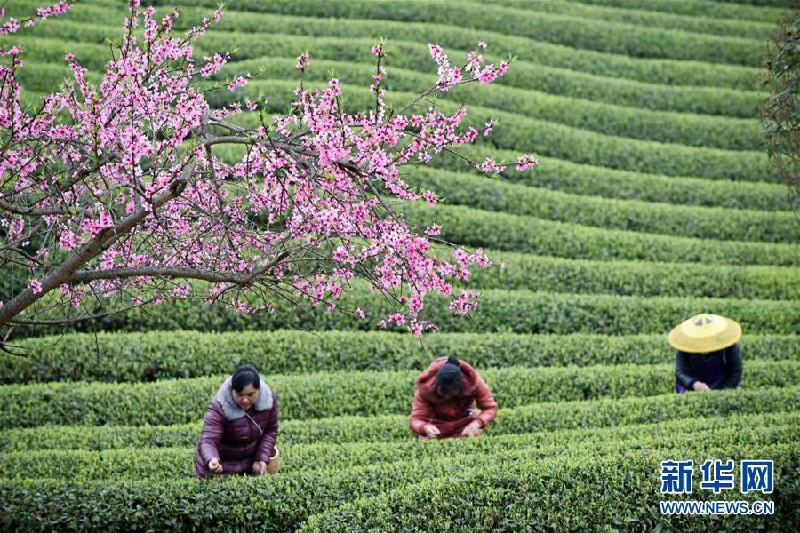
(114,192)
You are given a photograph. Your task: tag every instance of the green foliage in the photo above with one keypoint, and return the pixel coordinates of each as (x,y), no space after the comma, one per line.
(472,227)
(282,502)
(105,23)
(499,311)
(562,29)
(699,8)
(780,113)
(708,223)
(131,357)
(171,463)
(540,417)
(356,393)
(512,496)
(654,14)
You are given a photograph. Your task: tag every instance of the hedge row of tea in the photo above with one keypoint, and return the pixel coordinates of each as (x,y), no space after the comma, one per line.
(517,311)
(526,75)
(156,355)
(549,138)
(365,393)
(171,463)
(539,417)
(284,503)
(652,202)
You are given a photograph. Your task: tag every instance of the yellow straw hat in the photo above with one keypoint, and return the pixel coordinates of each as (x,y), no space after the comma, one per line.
(704,333)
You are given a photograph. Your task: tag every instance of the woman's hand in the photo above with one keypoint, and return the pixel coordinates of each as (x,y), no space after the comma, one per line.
(474,429)
(431,430)
(215,466)
(259,468)
(699,385)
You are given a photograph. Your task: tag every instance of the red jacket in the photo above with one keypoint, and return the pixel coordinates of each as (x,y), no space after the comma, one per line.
(451,416)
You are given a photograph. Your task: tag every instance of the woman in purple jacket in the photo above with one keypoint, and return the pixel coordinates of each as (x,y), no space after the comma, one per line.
(239,429)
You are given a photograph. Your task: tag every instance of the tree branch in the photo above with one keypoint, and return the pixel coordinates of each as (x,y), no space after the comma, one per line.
(87,276)
(91,249)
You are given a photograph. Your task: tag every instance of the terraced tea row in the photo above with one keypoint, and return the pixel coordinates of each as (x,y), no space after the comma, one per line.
(526,74)
(752,11)
(284,502)
(504,231)
(666,127)
(540,417)
(656,71)
(500,311)
(132,357)
(562,29)
(701,222)
(365,393)
(637,278)
(697,22)
(175,463)
(576,178)
(512,495)
(519,133)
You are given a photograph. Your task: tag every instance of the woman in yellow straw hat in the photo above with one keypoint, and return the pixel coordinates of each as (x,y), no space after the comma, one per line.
(709,356)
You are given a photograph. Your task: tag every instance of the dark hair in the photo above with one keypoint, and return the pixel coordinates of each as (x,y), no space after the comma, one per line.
(449,377)
(243,376)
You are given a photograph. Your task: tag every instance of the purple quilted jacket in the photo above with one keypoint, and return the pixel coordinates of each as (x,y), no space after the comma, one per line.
(237,437)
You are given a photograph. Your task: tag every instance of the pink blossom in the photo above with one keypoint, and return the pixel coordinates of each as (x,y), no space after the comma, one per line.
(53,10)
(35,286)
(302,62)
(490,166)
(465,303)
(487,75)
(68,240)
(526,162)
(397,318)
(180,291)
(239,81)
(303,217)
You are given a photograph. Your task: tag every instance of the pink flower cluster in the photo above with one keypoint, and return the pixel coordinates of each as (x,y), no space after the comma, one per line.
(302,62)
(526,162)
(304,211)
(489,166)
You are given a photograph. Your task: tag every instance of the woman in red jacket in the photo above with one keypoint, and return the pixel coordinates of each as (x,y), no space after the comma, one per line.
(240,429)
(445,399)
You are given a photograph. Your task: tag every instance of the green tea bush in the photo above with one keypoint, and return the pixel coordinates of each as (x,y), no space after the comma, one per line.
(171,463)
(511,496)
(540,417)
(153,355)
(365,393)
(687,221)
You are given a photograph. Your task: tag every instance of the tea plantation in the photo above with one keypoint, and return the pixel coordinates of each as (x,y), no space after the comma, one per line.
(654,201)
